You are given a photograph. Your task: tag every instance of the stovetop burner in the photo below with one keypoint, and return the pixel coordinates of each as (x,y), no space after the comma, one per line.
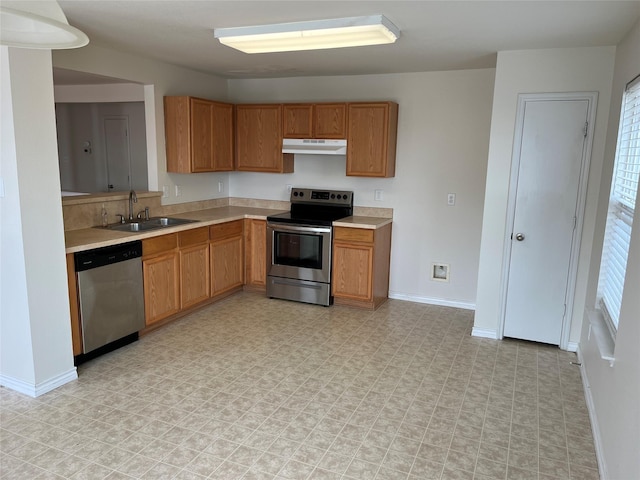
(316,207)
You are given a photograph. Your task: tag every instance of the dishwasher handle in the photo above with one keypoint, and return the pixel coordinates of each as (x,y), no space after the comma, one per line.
(100,257)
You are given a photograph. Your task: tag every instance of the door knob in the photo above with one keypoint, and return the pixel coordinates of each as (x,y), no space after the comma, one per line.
(520,236)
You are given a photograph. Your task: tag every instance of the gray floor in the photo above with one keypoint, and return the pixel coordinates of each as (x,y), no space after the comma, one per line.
(266,389)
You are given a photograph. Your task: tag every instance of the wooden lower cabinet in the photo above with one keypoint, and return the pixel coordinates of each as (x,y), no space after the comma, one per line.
(227,257)
(161,276)
(255,238)
(361,266)
(74,306)
(194,266)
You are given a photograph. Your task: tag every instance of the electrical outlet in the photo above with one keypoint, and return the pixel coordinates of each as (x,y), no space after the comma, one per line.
(289,187)
(165,191)
(451,199)
(178,190)
(378,195)
(220,187)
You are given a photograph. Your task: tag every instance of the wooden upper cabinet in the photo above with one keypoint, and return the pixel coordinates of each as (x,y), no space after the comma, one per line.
(297,121)
(371,139)
(223,145)
(198,135)
(330,120)
(320,120)
(259,139)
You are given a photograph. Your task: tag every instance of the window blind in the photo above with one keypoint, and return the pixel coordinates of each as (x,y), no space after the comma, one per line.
(622,202)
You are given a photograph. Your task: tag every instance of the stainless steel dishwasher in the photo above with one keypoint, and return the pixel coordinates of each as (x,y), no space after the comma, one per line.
(110,295)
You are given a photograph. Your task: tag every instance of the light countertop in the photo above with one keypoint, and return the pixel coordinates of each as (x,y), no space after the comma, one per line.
(359,221)
(89,238)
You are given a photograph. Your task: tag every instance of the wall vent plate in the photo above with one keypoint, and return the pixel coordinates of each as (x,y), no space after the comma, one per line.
(440,272)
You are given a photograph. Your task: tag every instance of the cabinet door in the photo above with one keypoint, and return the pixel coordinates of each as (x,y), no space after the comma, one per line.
(194,275)
(297,120)
(330,120)
(352,271)
(161,286)
(227,265)
(201,135)
(177,117)
(259,139)
(74,306)
(371,139)
(256,253)
(222,114)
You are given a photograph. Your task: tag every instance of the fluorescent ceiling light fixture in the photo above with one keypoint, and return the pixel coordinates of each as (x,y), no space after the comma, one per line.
(38,25)
(313,35)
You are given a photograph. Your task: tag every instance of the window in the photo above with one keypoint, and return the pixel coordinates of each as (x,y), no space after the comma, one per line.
(622,202)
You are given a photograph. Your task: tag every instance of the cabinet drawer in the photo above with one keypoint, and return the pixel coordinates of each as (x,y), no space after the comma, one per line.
(193,236)
(224,230)
(151,246)
(353,234)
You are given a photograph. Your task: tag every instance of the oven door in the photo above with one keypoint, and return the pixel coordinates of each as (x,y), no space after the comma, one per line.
(301,252)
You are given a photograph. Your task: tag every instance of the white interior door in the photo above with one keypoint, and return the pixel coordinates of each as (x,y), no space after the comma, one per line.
(118,152)
(552,142)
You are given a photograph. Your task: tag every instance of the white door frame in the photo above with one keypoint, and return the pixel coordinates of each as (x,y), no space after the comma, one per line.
(523,99)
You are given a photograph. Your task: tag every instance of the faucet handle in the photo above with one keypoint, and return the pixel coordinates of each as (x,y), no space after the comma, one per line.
(146,214)
(121,217)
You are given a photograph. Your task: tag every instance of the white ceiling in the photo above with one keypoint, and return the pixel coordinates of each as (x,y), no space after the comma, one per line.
(436,35)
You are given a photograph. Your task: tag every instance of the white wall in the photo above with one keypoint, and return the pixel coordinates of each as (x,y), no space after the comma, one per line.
(111,92)
(159,79)
(536,71)
(614,391)
(35,332)
(443,132)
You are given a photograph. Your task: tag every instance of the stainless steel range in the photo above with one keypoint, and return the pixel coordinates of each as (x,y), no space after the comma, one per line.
(299,245)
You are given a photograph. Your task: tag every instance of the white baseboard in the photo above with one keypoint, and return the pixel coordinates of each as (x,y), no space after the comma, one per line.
(595,428)
(484,333)
(432,301)
(572,346)
(35,390)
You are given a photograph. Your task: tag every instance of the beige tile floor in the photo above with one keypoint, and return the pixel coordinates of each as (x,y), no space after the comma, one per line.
(254,388)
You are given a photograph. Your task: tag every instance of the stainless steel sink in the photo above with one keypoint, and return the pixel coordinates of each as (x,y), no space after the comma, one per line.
(133,227)
(153,223)
(167,221)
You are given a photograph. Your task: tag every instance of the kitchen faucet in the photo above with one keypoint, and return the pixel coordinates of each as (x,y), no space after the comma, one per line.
(133,198)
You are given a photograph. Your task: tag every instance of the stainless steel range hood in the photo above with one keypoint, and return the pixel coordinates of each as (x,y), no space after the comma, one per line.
(314,147)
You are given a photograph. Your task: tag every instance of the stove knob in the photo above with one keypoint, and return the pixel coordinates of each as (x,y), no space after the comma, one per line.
(333,195)
(339,196)
(295,194)
(302,194)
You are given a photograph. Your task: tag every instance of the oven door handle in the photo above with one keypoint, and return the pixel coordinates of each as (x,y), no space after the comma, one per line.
(298,228)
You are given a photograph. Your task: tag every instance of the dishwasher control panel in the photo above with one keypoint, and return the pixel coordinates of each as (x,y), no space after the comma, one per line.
(107,255)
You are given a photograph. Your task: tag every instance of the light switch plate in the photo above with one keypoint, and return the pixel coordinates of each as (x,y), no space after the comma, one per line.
(378,195)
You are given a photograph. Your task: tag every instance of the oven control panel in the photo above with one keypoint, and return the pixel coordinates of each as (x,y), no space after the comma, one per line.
(333,197)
